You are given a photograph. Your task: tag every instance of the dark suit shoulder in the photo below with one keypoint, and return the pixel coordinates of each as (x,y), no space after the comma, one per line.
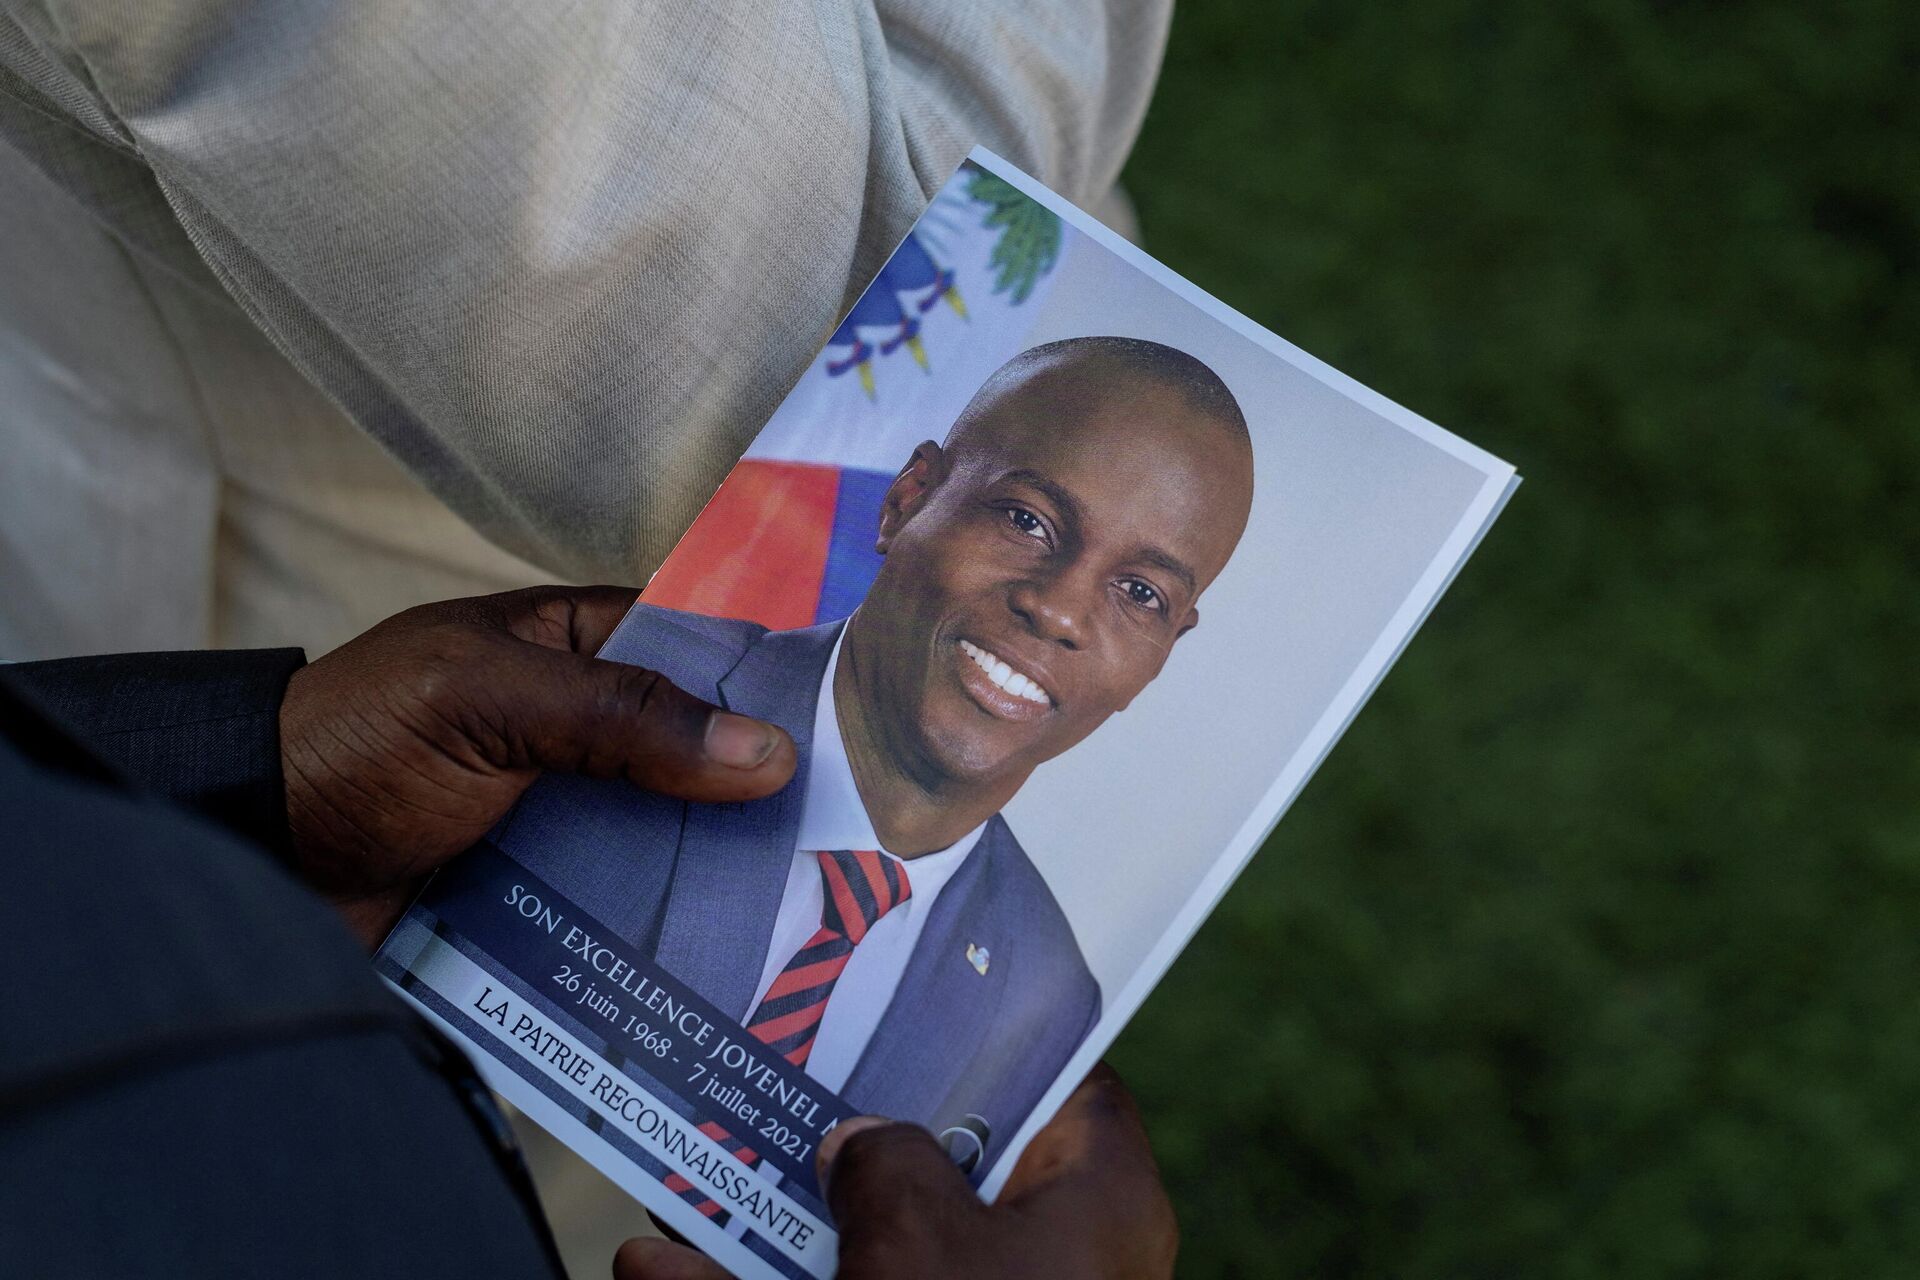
(690,649)
(1035,914)
(1048,1002)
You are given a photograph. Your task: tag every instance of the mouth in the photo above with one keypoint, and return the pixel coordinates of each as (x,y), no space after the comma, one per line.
(999,687)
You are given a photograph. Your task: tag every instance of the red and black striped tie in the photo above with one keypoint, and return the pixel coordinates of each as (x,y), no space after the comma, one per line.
(861,885)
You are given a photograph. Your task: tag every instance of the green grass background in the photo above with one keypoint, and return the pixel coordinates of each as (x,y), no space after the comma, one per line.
(1594,949)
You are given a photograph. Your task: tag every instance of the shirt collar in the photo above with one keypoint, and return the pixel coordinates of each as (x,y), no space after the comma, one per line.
(831,813)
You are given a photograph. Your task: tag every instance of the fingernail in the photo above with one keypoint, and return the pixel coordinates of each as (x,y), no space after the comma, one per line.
(837,1138)
(739,741)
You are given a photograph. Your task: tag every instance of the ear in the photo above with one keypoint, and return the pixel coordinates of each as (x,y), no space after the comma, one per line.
(924,471)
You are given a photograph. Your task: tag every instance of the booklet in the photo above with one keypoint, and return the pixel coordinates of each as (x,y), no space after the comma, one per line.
(1064,577)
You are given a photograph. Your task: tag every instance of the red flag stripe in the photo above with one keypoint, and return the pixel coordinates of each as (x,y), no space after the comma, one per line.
(759,550)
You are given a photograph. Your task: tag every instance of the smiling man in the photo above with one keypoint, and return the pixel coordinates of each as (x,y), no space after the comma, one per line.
(876,922)
(1038,568)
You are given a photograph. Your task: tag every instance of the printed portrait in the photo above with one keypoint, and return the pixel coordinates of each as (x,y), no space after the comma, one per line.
(1062,578)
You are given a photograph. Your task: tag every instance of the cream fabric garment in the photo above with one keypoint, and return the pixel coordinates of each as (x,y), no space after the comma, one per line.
(288,285)
(168,483)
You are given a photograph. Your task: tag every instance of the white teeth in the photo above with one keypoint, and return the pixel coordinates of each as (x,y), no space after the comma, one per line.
(1017,683)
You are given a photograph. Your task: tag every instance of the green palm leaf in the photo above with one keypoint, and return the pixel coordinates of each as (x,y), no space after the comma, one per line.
(1029,241)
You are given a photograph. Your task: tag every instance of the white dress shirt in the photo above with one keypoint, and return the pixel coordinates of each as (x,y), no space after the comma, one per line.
(832,817)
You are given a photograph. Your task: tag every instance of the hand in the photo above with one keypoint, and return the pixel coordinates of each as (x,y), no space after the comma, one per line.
(1084,1203)
(404,746)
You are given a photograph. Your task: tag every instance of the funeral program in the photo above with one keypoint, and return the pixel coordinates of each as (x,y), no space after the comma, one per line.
(1063,577)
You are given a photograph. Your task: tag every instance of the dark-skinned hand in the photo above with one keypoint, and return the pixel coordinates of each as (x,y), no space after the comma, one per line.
(1084,1203)
(404,746)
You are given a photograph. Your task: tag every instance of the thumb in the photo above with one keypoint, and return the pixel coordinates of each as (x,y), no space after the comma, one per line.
(869,1167)
(576,714)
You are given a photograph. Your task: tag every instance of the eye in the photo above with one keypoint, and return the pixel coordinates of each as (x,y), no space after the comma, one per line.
(1143,594)
(1027,523)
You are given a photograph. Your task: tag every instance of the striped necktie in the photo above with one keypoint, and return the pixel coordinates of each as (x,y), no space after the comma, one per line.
(860,886)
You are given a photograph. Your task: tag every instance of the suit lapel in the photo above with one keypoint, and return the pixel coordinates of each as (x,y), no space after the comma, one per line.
(734,858)
(942,998)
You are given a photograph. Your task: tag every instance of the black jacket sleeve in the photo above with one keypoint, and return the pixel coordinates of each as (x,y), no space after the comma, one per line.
(200,1074)
(201,728)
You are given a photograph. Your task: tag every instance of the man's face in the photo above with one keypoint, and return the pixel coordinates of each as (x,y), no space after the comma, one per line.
(1038,571)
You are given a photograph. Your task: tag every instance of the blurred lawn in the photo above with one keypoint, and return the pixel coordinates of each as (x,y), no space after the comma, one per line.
(1594,950)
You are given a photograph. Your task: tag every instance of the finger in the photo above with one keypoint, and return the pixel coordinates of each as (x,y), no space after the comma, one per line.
(1092,1165)
(596,612)
(609,720)
(577,619)
(650,1258)
(875,1171)
(836,1138)
(1098,1126)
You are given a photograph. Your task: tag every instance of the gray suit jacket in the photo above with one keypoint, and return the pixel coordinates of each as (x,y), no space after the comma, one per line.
(698,887)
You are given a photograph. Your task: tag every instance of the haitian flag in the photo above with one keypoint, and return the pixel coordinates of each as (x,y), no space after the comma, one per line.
(788,539)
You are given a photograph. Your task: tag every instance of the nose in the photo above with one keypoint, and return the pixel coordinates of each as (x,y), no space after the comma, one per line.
(1053,609)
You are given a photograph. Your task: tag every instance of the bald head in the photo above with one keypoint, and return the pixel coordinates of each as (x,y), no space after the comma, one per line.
(1061,377)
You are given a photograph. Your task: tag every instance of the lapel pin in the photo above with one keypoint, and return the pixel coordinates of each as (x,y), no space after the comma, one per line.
(977,957)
